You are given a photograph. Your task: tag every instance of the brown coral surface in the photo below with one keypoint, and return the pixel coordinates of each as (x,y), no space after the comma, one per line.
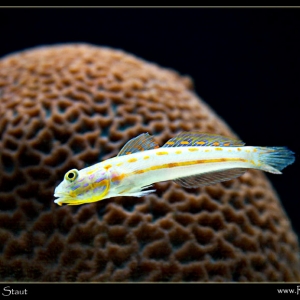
(70,106)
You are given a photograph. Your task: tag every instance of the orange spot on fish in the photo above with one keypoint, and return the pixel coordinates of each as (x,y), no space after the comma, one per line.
(146,157)
(119,164)
(193,149)
(201,143)
(162,153)
(216,144)
(153,168)
(101,183)
(184,143)
(178,152)
(107,167)
(156,147)
(170,143)
(118,178)
(172,165)
(206,150)
(218,149)
(128,153)
(239,149)
(91,172)
(139,172)
(218,160)
(226,144)
(132,160)
(254,150)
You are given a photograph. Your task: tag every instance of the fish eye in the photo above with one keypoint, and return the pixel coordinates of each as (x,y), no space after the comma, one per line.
(71,175)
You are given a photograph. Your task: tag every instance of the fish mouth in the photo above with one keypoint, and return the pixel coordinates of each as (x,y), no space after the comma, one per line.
(66,199)
(63,198)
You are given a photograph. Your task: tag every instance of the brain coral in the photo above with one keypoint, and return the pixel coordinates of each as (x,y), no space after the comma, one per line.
(70,106)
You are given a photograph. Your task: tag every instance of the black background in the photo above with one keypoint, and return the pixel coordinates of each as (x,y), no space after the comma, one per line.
(244,62)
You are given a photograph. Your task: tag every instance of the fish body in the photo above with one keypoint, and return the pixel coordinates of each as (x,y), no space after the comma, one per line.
(191,159)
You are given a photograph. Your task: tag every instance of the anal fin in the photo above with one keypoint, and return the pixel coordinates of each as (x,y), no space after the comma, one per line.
(210,178)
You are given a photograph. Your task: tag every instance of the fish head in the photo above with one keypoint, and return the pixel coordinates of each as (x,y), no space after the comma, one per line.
(84,186)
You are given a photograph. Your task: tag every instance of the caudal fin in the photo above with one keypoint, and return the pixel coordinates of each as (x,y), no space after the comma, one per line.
(274,159)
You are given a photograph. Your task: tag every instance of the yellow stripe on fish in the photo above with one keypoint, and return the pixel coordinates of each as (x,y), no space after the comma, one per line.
(191,159)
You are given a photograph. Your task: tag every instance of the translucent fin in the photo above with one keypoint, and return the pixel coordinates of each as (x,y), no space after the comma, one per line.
(209,178)
(274,159)
(136,191)
(142,142)
(141,194)
(194,138)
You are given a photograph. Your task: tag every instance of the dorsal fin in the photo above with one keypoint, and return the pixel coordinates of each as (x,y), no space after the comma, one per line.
(194,138)
(144,141)
(209,178)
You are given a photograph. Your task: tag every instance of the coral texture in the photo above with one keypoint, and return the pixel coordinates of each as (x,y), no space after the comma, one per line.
(70,106)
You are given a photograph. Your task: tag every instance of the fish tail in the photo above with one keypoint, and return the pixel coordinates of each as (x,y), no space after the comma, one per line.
(274,159)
